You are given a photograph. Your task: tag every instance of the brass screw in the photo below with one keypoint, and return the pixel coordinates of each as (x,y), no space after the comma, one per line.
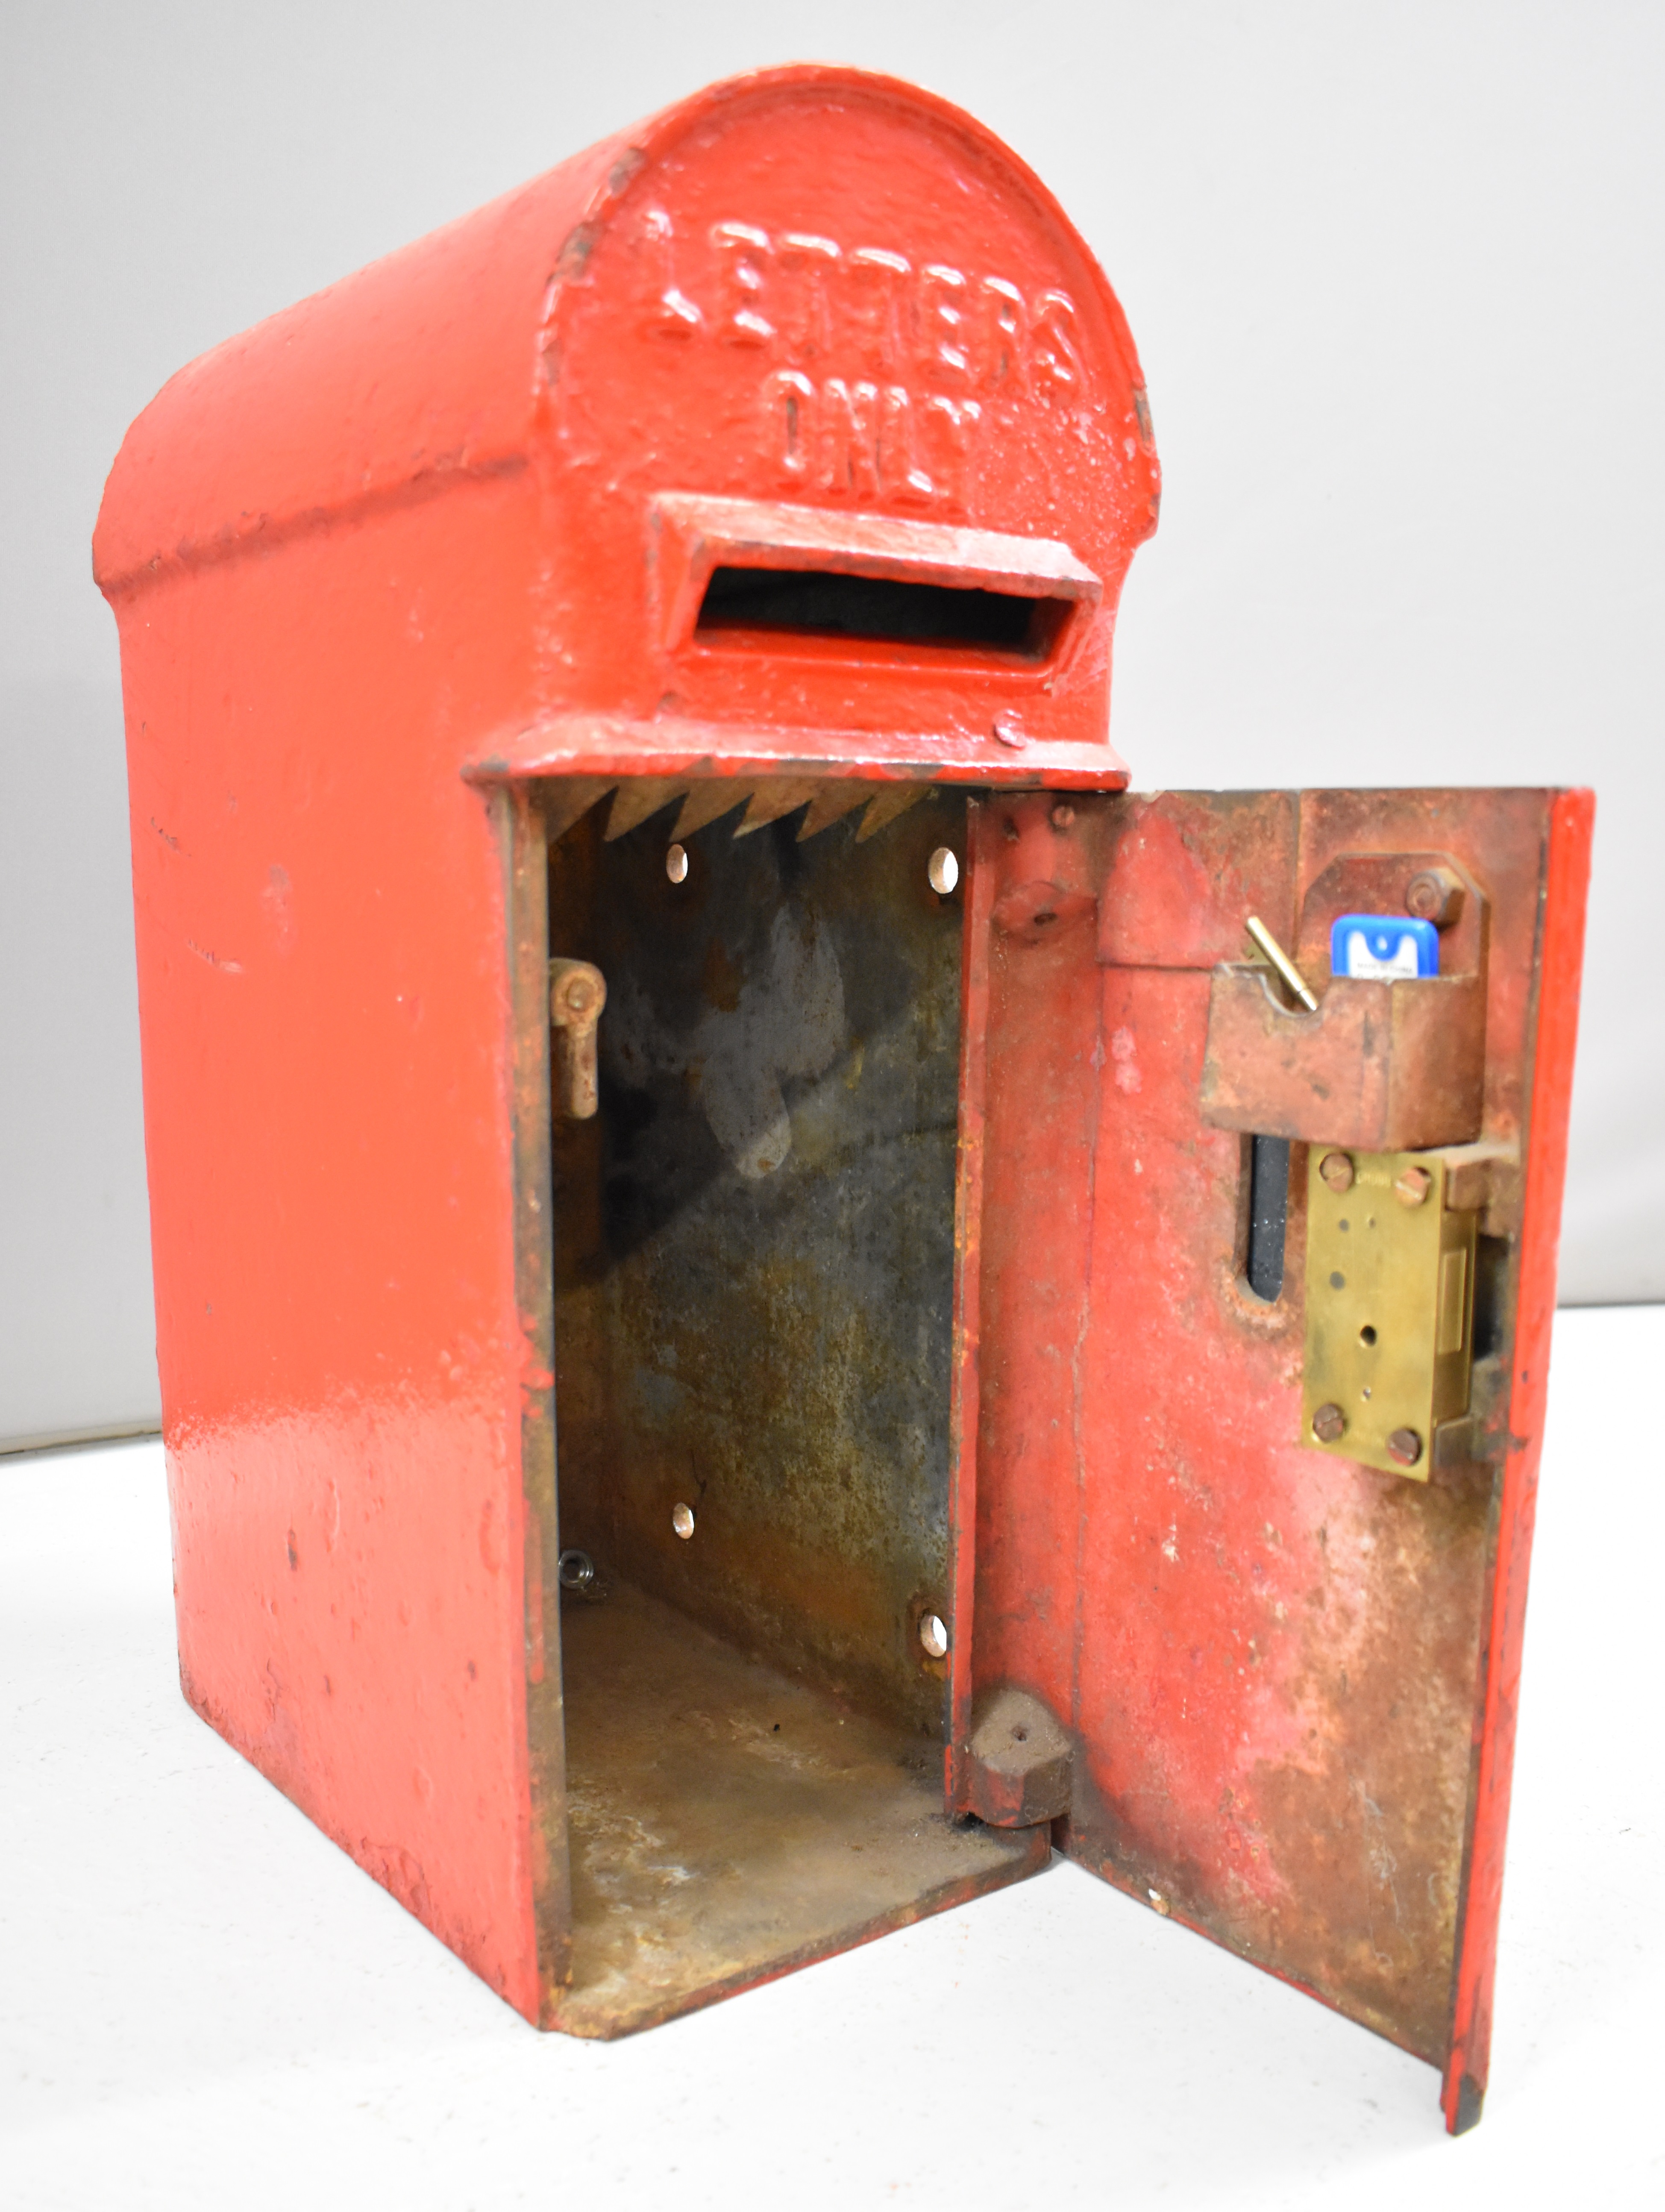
(1336,1168)
(1405,1447)
(1329,1424)
(1414,1186)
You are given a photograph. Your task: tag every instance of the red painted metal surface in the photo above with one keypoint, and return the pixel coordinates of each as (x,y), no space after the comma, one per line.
(416,526)
(802,302)
(408,578)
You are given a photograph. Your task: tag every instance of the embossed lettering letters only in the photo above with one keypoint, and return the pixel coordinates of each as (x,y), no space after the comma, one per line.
(875,376)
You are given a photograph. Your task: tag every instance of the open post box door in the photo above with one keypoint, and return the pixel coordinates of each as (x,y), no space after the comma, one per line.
(1252,1368)
(730,1222)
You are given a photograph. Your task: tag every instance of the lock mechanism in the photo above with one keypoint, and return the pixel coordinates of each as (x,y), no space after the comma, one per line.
(1390,1301)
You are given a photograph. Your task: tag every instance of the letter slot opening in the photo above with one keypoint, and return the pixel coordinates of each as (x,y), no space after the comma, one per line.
(823,603)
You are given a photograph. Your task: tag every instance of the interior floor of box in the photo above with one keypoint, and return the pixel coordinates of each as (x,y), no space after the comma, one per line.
(728,1823)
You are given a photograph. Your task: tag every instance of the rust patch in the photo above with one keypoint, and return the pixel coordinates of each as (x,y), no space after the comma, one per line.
(755,1257)
(729,1824)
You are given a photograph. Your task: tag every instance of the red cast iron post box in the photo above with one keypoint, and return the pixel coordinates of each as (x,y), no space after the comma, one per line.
(729,1216)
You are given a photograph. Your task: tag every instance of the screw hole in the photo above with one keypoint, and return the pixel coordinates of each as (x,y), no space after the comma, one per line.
(676,864)
(933,1636)
(944,871)
(681,1520)
(1367,1334)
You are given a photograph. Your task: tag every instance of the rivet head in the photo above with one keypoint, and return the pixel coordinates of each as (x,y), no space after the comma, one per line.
(1434,896)
(1329,1424)
(681,1520)
(1063,817)
(934,1635)
(942,870)
(1412,1188)
(1405,1447)
(1336,1168)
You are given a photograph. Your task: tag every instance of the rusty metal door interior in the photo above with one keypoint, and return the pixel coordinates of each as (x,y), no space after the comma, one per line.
(1168,1492)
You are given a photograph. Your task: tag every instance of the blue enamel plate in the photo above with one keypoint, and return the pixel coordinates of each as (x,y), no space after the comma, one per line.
(1380,948)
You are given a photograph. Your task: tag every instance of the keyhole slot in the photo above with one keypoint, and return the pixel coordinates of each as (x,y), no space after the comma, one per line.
(1268,1166)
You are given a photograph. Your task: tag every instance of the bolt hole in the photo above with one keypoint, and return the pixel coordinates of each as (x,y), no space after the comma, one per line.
(933,1636)
(676,864)
(1367,1334)
(576,1571)
(1020,1735)
(944,871)
(681,1520)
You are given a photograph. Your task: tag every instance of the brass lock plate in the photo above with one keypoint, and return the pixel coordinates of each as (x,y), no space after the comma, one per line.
(1390,1299)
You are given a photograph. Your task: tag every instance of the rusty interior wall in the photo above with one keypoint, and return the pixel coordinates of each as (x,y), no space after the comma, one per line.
(754,1238)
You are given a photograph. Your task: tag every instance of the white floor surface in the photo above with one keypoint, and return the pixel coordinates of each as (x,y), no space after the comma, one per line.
(205,2003)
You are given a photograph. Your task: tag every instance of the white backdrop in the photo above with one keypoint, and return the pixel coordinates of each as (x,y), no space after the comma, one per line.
(1395,274)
